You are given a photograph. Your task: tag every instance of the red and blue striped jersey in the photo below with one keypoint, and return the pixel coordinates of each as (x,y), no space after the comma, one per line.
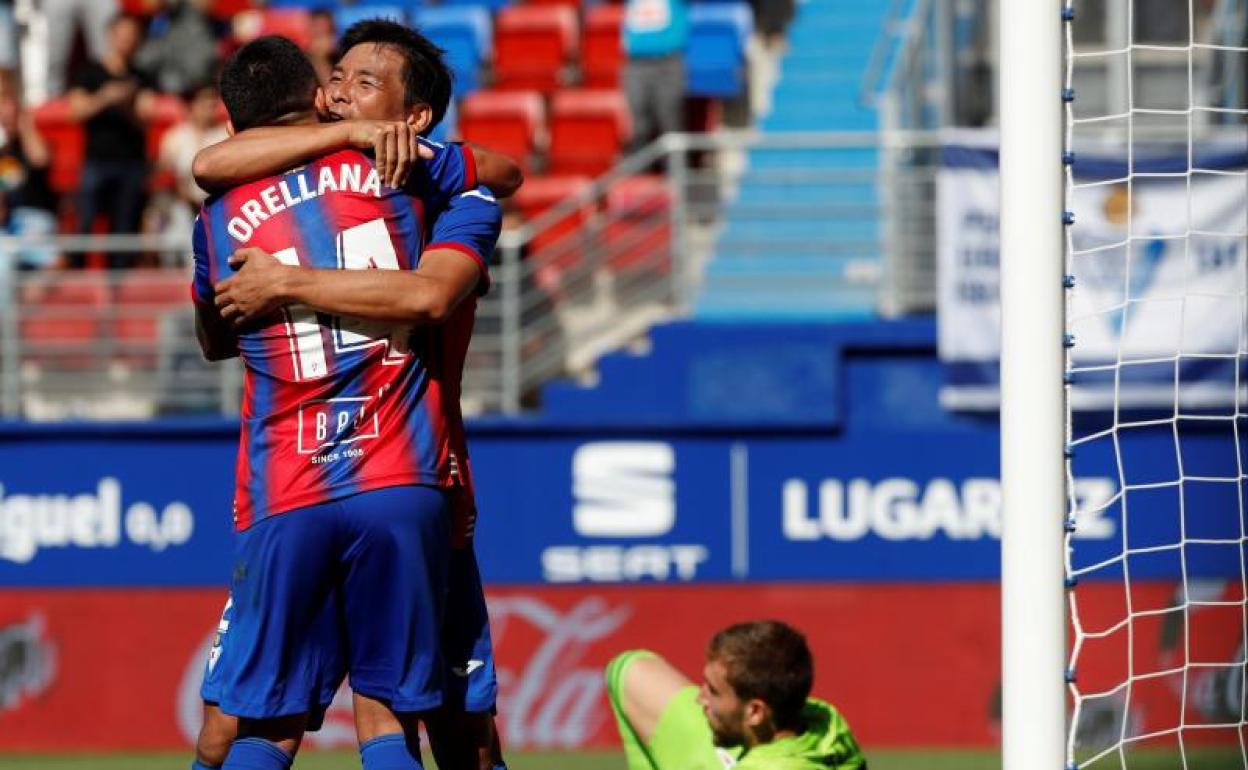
(333,406)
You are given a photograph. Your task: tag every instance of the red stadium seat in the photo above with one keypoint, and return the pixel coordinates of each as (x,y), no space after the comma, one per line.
(66,138)
(532,45)
(558,246)
(587,130)
(602,51)
(142,297)
(511,122)
(62,316)
(287,22)
(639,226)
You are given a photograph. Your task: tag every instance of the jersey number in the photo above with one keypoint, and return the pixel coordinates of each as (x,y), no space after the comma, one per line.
(363,247)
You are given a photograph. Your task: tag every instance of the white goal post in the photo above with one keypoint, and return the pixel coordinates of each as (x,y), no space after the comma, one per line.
(1033,408)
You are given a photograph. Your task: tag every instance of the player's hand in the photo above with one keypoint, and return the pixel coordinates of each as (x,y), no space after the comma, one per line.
(255,291)
(396,147)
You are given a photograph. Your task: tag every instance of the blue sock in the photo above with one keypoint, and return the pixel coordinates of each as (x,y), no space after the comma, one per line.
(256,754)
(389,752)
(500,767)
(197,765)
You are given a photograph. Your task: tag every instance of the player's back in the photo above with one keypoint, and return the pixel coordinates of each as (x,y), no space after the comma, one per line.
(332,406)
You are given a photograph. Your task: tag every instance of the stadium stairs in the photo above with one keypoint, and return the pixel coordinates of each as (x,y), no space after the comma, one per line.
(800,241)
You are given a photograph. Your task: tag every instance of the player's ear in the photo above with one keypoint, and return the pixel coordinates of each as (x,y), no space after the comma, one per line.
(229,127)
(322,103)
(420,117)
(757,714)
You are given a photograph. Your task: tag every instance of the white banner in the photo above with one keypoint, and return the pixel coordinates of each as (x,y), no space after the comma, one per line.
(1158,277)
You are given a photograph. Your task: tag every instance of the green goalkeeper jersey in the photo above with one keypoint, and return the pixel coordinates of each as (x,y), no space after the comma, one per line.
(682,739)
(826,742)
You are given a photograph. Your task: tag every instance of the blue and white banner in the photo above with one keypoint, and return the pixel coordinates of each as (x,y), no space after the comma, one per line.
(870,503)
(1157,264)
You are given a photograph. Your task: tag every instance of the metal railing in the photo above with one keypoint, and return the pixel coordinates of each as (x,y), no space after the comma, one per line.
(590,274)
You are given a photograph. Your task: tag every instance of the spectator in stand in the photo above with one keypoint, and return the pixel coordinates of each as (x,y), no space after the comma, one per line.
(322,44)
(771,19)
(655,32)
(64,18)
(27,203)
(173,211)
(182,48)
(115,103)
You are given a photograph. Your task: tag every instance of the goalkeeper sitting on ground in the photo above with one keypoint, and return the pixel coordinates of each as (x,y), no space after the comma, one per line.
(752,711)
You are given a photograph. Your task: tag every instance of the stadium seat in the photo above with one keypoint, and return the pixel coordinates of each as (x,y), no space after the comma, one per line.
(448,127)
(558,246)
(142,297)
(310,5)
(492,5)
(715,54)
(587,130)
(287,22)
(511,122)
(345,16)
(532,45)
(639,226)
(62,316)
(602,53)
(169,110)
(63,133)
(466,34)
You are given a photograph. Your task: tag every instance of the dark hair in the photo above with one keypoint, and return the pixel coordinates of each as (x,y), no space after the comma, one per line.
(265,80)
(426,78)
(768,660)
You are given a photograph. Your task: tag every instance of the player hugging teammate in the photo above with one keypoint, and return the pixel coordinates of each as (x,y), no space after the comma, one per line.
(347,284)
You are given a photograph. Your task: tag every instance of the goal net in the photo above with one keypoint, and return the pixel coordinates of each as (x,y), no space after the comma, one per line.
(1157,334)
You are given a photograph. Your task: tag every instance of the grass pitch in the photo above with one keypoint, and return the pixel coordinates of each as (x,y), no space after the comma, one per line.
(936,759)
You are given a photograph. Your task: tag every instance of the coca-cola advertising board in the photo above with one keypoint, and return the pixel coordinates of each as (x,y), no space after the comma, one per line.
(909,665)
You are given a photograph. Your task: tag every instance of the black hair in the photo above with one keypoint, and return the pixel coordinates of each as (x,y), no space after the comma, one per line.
(266,80)
(426,77)
(768,660)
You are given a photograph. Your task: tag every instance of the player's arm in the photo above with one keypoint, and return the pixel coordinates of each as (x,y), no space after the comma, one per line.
(267,150)
(427,296)
(216,339)
(452,267)
(640,685)
(496,171)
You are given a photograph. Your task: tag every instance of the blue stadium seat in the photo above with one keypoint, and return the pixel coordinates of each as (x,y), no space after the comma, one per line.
(466,34)
(348,15)
(493,5)
(715,55)
(448,129)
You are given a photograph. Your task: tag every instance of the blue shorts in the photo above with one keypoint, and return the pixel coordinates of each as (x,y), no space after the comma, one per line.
(471,681)
(360,581)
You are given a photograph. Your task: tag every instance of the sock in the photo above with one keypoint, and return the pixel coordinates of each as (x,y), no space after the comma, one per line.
(388,752)
(500,767)
(197,765)
(256,754)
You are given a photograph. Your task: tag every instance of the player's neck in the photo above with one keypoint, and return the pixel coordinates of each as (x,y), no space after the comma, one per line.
(766,734)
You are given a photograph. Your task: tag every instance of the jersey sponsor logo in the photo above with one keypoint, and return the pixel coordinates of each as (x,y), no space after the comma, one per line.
(903,509)
(29,522)
(335,421)
(27,662)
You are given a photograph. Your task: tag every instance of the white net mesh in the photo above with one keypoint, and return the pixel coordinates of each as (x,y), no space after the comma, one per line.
(1157,241)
